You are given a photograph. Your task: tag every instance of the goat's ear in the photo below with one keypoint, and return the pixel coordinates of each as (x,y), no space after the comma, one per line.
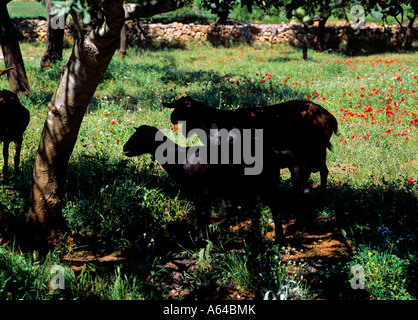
(188,103)
(5,70)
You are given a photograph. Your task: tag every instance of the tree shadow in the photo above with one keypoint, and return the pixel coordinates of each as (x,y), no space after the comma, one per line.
(130,207)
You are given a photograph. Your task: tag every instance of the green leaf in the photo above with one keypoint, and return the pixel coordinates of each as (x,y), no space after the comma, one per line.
(86,18)
(58,3)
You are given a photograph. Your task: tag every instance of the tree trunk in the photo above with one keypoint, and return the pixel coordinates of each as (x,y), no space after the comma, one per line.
(89,59)
(92,52)
(55,38)
(142,37)
(408,40)
(305,42)
(122,48)
(18,81)
(320,38)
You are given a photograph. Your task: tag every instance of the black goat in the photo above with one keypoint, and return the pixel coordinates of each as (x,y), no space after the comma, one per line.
(297,131)
(14,118)
(201,181)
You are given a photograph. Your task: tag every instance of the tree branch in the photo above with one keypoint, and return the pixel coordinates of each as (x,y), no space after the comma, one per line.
(150,8)
(341,4)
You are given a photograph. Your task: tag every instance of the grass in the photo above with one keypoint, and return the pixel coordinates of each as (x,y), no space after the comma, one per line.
(130,205)
(26,9)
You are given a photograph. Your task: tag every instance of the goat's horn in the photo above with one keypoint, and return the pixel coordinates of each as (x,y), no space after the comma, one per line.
(5,70)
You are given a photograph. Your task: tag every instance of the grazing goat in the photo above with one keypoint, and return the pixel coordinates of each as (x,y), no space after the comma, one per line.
(297,131)
(14,118)
(201,181)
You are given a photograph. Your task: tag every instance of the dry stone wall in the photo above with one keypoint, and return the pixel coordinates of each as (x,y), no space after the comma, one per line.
(292,33)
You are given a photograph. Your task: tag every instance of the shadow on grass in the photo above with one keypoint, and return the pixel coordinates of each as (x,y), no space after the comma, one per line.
(134,208)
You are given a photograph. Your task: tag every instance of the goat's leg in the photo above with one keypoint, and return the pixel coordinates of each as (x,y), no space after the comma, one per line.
(18,145)
(324,177)
(278,227)
(295,174)
(6,158)
(203,207)
(271,197)
(304,183)
(300,176)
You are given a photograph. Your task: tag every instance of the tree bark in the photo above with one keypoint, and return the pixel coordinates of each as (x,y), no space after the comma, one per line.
(89,59)
(55,40)
(305,42)
(320,38)
(93,50)
(18,81)
(408,40)
(142,37)
(122,48)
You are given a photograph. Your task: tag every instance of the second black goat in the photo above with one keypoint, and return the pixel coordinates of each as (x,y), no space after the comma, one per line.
(202,181)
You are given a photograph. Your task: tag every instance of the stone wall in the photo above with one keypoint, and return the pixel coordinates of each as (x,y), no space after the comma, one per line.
(36,29)
(335,36)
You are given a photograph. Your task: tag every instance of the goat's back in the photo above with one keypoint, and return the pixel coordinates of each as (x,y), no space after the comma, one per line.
(14,117)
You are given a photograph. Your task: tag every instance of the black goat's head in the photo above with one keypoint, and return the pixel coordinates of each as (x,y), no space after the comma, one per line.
(193,113)
(183,109)
(141,142)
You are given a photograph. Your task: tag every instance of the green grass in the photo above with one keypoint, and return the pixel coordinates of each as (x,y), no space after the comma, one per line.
(26,9)
(130,205)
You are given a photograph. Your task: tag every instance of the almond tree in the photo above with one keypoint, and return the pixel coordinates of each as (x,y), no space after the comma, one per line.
(55,38)
(98,24)
(18,81)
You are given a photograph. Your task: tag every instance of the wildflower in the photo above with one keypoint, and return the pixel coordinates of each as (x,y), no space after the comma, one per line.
(113,122)
(106,114)
(410,181)
(175,128)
